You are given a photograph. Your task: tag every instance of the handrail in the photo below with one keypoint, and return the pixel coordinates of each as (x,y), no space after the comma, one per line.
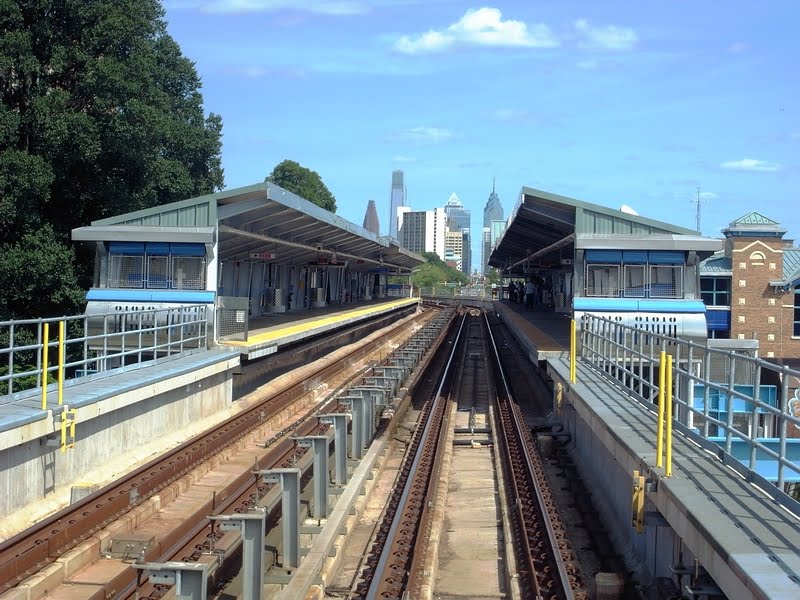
(631,356)
(31,358)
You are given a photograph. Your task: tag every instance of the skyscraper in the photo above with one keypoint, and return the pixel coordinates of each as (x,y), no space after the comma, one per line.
(458,222)
(492,212)
(398,199)
(371,222)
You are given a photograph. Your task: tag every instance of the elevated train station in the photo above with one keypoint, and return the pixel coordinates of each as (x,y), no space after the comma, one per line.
(266,271)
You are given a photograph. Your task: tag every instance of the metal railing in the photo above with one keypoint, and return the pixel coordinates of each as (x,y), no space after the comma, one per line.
(705,408)
(33,351)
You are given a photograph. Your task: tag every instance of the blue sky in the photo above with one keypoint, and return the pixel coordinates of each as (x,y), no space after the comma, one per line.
(608,101)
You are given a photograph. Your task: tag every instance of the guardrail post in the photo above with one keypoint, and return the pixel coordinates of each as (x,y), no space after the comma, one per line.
(669,416)
(253,528)
(289,478)
(45,359)
(572,347)
(662,365)
(339,422)
(61,327)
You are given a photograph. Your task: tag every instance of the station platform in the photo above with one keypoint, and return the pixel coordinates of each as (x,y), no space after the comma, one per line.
(22,417)
(542,332)
(748,543)
(268,334)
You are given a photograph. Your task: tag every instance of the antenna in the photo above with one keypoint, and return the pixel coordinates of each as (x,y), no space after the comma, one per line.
(699,201)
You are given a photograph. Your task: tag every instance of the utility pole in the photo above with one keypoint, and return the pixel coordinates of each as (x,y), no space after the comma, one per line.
(699,202)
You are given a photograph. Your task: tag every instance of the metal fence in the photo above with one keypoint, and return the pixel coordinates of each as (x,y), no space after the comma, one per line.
(233,318)
(59,349)
(750,405)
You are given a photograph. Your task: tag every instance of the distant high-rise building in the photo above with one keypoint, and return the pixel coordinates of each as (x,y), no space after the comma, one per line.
(371,222)
(458,223)
(423,231)
(492,212)
(397,199)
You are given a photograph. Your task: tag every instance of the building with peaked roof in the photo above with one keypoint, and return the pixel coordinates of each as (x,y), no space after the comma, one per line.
(371,222)
(493,211)
(752,288)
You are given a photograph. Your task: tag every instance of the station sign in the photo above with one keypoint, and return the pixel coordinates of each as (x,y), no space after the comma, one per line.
(263,255)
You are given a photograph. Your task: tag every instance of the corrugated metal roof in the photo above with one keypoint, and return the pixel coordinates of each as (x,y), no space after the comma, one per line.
(542,229)
(791,264)
(266,218)
(716,265)
(754,218)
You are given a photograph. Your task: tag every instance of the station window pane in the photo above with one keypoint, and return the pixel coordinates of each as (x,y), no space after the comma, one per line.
(188,273)
(634,281)
(125,271)
(602,280)
(666,281)
(158,272)
(715,291)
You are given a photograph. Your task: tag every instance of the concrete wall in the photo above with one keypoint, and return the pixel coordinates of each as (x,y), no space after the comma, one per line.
(104,431)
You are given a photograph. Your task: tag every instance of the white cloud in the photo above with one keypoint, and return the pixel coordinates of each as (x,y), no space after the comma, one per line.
(479,27)
(750,164)
(325,7)
(404,159)
(609,37)
(424,135)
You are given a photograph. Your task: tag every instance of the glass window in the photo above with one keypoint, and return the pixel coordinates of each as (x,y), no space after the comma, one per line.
(125,271)
(188,273)
(602,280)
(796,330)
(715,291)
(666,281)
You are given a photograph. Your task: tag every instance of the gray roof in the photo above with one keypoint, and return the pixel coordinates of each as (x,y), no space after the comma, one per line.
(754,218)
(260,218)
(719,265)
(791,264)
(543,228)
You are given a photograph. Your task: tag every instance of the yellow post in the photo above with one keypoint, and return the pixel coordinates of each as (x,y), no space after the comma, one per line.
(74,415)
(669,417)
(45,358)
(60,363)
(64,431)
(662,365)
(637,502)
(572,348)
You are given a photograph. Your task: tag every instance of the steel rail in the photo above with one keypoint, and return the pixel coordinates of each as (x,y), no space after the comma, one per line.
(377,579)
(32,549)
(554,549)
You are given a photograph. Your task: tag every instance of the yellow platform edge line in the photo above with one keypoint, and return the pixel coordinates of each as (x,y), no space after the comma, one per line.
(309,325)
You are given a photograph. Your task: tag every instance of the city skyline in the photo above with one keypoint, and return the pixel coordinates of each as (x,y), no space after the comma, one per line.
(615,104)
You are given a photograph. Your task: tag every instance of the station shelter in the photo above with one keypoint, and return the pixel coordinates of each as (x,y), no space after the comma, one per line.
(588,258)
(248,252)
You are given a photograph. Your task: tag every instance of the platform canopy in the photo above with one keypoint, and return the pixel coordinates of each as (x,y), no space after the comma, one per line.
(259,222)
(544,230)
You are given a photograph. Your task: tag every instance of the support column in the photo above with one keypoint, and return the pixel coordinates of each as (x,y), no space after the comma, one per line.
(320,445)
(253,527)
(289,479)
(189,579)
(339,422)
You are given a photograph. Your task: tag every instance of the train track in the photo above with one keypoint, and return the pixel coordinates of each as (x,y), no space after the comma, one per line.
(33,549)
(399,558)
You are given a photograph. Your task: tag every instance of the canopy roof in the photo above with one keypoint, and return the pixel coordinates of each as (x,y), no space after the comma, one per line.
(258,219)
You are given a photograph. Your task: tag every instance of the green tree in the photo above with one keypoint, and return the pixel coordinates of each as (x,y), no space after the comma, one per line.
(304,182)
(100,114)
(435,272)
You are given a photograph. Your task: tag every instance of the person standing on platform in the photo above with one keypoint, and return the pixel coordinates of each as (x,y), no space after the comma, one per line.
(530,290)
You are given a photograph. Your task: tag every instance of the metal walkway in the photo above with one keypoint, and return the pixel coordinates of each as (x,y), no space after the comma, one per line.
(747,542)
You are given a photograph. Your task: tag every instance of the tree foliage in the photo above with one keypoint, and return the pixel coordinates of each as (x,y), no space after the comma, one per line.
(304,182)
(100,115)
(435,272)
